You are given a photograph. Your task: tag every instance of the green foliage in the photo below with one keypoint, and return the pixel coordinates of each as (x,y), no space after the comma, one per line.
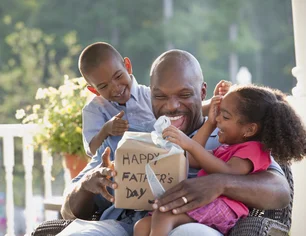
(138,30)
(32,65)
(59,114)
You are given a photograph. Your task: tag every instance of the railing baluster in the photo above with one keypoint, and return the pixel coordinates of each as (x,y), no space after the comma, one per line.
(8,147)
(28,162)
(26,132)
(47,162)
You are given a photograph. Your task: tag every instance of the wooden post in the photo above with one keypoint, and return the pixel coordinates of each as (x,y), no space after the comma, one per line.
(298,101)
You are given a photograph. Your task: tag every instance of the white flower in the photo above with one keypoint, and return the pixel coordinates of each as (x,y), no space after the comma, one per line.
(81,81)
(20,114)
(65,102)
(66,91)
(40,94)
(85,93)
(36,107)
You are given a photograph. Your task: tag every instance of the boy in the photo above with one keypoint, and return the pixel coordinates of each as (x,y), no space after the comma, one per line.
(121,103)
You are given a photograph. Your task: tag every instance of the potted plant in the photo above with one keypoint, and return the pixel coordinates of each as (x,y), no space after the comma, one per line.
(59,114)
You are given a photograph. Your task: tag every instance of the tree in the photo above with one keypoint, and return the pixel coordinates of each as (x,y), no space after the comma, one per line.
(32,65)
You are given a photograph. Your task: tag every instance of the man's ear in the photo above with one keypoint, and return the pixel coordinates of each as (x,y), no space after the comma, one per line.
(93,90)
(203,91)
(128,65)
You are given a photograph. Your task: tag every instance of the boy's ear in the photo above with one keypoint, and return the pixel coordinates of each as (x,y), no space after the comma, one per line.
(128,65)
(93,90)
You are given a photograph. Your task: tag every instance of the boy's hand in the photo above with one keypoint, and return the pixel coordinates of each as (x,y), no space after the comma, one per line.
(176,136)
(214,109)
(117,126)
(222,87)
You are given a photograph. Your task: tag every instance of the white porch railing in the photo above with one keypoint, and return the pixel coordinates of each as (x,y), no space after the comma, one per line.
(26,132)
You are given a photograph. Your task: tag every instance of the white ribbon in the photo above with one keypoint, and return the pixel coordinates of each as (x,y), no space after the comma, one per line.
(162,123)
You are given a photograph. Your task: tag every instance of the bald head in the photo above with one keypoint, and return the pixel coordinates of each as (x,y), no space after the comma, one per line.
(177,89)
(178,60)
(95,54)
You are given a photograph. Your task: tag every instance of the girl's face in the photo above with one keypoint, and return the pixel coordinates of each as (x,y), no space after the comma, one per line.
(232,131)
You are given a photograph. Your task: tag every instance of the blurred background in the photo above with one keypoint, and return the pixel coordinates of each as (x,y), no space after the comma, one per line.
(42,39)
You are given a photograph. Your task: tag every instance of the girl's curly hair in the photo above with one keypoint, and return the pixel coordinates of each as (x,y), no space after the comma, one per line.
(280,129)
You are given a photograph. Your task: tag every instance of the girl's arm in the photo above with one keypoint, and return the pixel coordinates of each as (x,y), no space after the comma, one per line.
(211,164)
(207,128)
(199,157)
(221,89)
(201,138)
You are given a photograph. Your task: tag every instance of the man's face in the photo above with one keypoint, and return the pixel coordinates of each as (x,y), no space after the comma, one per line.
(112,81)
(177,94)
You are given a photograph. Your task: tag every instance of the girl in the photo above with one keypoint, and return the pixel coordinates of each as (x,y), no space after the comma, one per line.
(253,123)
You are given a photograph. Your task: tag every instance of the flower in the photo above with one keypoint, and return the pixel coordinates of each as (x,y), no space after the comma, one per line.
(20,114)
(59,113)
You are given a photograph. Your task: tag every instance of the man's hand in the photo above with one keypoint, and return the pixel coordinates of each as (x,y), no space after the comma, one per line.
(97,179)
(176,136)
(222,88)
(198,192)
(117,126)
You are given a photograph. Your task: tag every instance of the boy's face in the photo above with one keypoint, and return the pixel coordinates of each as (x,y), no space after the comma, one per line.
(176,94)
(112,80)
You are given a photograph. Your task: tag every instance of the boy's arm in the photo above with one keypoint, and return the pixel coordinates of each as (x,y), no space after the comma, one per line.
(98,139)
(205,107)
(115,127)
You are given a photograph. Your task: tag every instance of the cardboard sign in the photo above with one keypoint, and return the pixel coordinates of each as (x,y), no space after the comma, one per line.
(131,156)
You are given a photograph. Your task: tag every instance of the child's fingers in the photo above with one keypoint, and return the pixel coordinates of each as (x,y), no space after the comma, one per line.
(216,99)
(121,123)
(224,87)
(120,114)
(169,133)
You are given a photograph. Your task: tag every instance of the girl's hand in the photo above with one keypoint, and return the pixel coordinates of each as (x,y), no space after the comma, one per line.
(214,109)
(176,136)
(222,88)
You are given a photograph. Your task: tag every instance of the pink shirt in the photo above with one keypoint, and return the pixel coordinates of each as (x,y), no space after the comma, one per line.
(252,151)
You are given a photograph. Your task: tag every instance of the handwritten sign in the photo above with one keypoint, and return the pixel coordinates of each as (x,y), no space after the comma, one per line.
(133,190)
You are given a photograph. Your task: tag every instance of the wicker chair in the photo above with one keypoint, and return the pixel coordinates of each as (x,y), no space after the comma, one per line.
(258,223)
(272,222)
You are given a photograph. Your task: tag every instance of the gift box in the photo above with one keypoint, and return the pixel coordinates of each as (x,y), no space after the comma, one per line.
(144,169)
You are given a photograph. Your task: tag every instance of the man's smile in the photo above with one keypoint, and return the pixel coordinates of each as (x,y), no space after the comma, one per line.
(177,121)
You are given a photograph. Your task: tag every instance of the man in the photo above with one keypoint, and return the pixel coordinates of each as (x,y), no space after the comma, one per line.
(177,90)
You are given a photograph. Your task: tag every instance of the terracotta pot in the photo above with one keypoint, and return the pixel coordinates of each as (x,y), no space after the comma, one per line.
(75,164)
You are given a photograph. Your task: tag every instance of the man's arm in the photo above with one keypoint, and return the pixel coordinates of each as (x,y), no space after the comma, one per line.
(81,202)
(79,198)
(264,190)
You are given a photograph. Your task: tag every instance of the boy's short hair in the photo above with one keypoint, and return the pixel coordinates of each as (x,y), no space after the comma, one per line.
(93,55)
